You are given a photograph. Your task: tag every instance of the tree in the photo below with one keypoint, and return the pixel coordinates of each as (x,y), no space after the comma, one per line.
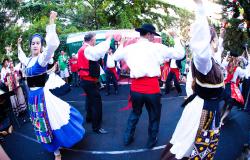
(86,15)
(100,14)
(237,15)
(8,12)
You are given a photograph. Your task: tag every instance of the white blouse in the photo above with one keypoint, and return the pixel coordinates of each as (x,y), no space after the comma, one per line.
(200,42)
(52,42)
(201,48)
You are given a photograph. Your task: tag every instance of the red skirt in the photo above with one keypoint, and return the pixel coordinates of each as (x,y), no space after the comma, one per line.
(164,72)
(236,94)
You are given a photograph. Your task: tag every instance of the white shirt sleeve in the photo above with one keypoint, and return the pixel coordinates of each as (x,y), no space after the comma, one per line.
(189,82)
(224,63)
(242,72)
(217,55)
(52,42)
(2,75)
(120,53)
(21,56)
(94,53)
(200,42)
(177,52)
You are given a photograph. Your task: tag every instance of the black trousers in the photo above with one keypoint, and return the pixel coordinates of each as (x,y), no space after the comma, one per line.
(153,106)
(93,104)
(172,76)
(245,93)
(110,78)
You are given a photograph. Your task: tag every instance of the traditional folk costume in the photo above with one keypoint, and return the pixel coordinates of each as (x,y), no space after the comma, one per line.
(246,91)
(165,71)
(74,69)
(111,73)
(56,123)
(196,134)
(17,100)
(174,74)
(57,86)
(143,59)
(89,72)
(232,91)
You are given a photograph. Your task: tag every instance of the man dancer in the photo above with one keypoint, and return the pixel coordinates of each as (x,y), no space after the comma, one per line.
(89,72)
(111,74)
(143,59)
(174,73)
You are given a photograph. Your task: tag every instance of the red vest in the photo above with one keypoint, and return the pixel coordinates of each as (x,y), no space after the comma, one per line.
(88,70)
(230,77)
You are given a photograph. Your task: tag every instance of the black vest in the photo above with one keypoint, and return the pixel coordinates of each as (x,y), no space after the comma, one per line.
(37,81)
(214,77)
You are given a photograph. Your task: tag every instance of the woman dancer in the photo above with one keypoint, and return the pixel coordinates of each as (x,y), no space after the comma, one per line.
(55,122)
(232,94)
(201,109)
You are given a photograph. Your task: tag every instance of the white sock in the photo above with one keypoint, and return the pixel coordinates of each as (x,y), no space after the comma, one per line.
(57,152)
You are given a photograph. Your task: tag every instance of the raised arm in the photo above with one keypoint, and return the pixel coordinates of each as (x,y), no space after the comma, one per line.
(120,52)
(177,52)
(243,72)
(217,55)
(94,53)
(21,55)
(200,41)
(52,41)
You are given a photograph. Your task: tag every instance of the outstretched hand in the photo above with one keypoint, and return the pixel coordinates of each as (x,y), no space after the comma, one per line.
(53,16)
(19,40)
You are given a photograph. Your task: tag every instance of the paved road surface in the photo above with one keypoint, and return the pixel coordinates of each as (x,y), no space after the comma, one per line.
(22,145)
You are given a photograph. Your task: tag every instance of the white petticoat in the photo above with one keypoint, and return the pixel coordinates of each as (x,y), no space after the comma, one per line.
(186,129)
(59,114)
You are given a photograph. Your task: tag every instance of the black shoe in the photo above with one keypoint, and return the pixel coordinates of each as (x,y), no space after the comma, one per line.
(88,120)
(101,131)
(128,141)
(107,94)
(151,143)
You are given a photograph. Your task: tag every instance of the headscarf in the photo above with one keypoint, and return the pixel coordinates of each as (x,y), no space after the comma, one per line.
(39,36)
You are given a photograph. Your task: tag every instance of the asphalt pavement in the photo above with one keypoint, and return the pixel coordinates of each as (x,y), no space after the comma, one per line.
(22,144)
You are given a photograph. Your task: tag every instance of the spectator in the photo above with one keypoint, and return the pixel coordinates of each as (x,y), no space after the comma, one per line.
(63,66)
(74,69)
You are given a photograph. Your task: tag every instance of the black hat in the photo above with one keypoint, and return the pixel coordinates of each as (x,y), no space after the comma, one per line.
(234,53)
(147,28)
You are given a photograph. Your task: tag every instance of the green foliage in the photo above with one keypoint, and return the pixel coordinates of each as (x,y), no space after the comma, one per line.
(167,40)
(83,15)
(8,10)
(236,36)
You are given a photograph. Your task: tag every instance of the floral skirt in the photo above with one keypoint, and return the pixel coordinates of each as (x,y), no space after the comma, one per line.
(56,123)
